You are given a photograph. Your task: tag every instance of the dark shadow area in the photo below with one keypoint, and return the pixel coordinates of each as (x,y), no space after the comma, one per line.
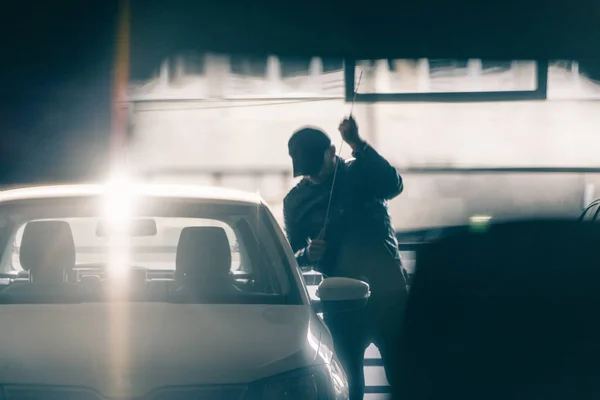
(510,313)
(55,89)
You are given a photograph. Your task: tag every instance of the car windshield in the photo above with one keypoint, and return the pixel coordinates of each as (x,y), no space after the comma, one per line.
(199,252)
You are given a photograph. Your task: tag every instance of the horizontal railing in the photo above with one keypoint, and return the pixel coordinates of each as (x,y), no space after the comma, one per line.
(259,171)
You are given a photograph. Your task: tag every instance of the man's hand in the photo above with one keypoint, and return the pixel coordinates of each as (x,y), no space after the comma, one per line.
(349,131)
(316,248)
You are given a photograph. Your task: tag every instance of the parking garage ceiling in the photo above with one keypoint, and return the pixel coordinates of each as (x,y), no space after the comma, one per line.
(57,62)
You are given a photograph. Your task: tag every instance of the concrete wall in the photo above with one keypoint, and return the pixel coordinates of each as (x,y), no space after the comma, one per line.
(253,133)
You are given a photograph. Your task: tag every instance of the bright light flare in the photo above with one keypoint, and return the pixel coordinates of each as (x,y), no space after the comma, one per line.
(118,205)
(117,213)
(480,223)
(480,219)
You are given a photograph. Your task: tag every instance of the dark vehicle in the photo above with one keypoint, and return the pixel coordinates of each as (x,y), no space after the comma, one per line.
(591,211)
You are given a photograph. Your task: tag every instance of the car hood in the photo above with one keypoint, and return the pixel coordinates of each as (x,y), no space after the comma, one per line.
(132,349)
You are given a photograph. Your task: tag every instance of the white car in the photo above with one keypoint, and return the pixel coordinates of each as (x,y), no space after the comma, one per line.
(157,292)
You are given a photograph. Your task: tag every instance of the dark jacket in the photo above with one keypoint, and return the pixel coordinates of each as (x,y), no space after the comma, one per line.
(358,220)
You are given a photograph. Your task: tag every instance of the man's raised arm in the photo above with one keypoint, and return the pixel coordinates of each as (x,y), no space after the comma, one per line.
(375,173)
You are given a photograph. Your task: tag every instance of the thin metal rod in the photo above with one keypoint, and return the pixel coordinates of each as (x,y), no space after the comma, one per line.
(337,161)
(355,93)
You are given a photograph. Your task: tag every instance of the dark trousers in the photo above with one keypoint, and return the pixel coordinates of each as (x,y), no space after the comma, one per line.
(380,323)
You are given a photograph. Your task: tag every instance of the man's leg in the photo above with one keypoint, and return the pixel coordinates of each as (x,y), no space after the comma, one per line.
(387,328)
(350,344)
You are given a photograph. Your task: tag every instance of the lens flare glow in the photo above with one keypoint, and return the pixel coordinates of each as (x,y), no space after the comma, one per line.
(118,206)
(119,203)
(480,219)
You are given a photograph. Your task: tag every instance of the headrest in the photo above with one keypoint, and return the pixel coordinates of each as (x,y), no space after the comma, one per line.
(203,252)
(47,250)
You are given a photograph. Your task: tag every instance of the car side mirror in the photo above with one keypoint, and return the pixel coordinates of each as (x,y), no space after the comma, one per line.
(343,294)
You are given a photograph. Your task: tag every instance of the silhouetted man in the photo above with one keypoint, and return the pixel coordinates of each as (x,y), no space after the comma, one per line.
(359,240)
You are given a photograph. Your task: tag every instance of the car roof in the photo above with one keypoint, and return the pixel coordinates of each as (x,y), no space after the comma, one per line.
(166,191)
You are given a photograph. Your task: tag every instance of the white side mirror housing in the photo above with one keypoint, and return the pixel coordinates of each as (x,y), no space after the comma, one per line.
(343,294)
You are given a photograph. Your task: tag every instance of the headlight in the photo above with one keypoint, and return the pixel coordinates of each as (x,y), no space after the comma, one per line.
(324,382)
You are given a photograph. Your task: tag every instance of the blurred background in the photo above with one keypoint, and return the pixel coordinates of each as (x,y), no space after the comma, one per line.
(225,120)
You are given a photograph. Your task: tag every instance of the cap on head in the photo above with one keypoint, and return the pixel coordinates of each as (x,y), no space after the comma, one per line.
(307,148)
